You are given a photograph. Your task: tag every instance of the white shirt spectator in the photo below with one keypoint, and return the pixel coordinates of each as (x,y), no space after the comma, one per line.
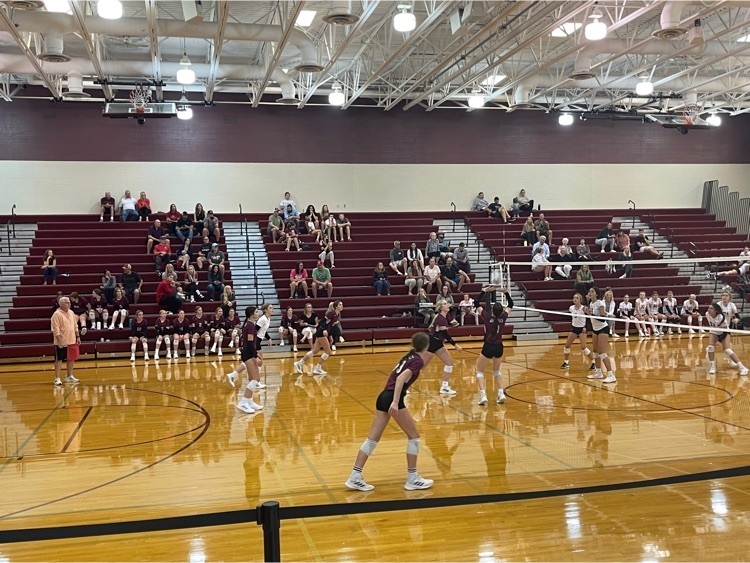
(544,246)
(127,203)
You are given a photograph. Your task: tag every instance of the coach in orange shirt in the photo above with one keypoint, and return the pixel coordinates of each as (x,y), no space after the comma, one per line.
(64,325)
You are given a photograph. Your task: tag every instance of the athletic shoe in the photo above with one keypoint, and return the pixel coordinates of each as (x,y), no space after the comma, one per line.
(245,407)
(615,335)
(187,355)
(732,363)
(641,334)
(132,357)
(358,484)
(220,353)
(169,355)
(446,390)
(83,331)
(418,483)
(156,355)
(298,367)
(121,327)
(565,365)
(57,381)
(341,339)
(333,347)
(679,331)
(231,379)
(691,331)
(595,376)
(482,398)
(231,343)
(319,370)
(238,352)
(670,331)
(501,397)
(712,370)
(255,405)
(744,370)
(71,379)
(213,349)
(295,349)
(261,385)
(610,378)
(145,357)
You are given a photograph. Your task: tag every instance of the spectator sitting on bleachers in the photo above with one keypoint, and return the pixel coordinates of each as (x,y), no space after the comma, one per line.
(49,267)
(445,247)
(288,201)
(190,284)
(120,307)
(215,282)
(561,258)
(166,295)
(228,299)
(162,254)
(452,276)
(583,252)
(328,226)
(446,295)
(606,237)
(324,214)
(211,226)
(108,285)
(154,235)
(291,216)
(143,206)
(432,276)
(321,279)
(172,216)
(432,248)
(528,232)
(467,307)
(216,257)
(107,207)
(498,211)
(539,263)
(344,226)
(414,253)
(543,228)
(641,243)
(740,268)
(523,202)
(461,258)
(203,253)
(169,271)
(127,208)
(380,280)
(97,310)
(80,309)
(414,277)
(185,227)
(184,255)
(584,280)
(568,250)
(627,269)
(541,243)
(298,280)
(131,283)
(424,307)
(290,233)
(276,226)
(312,220)
(56,301)
(397,259)
(622,240)
(199,219)
(480,204)
(326,251)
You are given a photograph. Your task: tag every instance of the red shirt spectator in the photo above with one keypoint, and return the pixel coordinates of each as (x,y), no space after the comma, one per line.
(164,289)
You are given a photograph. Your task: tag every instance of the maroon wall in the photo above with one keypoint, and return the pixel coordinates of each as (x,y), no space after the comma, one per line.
(43,130)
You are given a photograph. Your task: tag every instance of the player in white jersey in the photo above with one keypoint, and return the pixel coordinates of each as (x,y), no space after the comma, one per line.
(718,323)
(577,331)
(657,319)
(601,331)
(729,309)
(609,309)
(625,311)
(641,313)
(670,311)
(691,312)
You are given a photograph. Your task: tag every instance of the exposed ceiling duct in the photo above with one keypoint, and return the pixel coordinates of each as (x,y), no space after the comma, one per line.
(521,96)
(341,14)
(45,22)
(586,55)
(24,4)
(52,49)
(75,86)
(671,16)
(699,83)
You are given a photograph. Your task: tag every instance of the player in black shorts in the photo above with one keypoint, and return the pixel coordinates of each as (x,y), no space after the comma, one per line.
(438,336)
(390,403)
(492,349)
(322,342)
(181,330)
(163,328)
(249,363)
(139,334)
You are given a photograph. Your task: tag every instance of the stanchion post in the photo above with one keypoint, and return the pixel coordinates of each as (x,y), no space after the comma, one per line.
(268,518)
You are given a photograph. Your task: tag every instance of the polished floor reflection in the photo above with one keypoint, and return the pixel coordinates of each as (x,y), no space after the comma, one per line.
(154,440)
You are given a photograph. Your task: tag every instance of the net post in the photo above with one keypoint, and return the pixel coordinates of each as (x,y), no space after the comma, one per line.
(268,518)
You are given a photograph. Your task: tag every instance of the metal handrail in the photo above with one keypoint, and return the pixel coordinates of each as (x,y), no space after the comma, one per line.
(7,229)
(634,215)
(13,219)
(453,205)
(242,217)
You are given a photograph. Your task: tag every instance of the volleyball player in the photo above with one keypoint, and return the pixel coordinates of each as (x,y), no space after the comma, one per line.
(234,330)
(438,336)
(321,341)
(201,327)
(671,312)
(335,333)
(289,328)
(717,322)
(691,311)
(609,309)
(163,328)
(138,334)
(577,331)
(729,309)
(390,403)
(308,321)
(262,325)
(249,363)
(654,311)
(600,338)
(181,330)
(492,349)
(120,306)
(641,314)
(625,312)
(218,330)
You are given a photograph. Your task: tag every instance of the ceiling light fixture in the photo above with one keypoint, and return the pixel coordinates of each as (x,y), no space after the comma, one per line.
(185,75)
(565,119)
(493,80)
(109,9)
(476,100)
(184,111)
(405,20)
(714,120)
(336,97)
(58,6)
(305,18)
(596,30)
(644,88)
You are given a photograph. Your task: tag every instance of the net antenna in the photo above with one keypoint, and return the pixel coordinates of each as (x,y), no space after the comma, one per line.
(140,97)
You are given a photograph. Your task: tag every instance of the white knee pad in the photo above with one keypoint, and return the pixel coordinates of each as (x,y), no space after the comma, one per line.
(92,315)
(448,369)
(566,350)
(497,373)
(166,339)
(586,351)
(294,332)
(595,355)
(412,446)
(369,446)
(324,357)
(729,351)
(480,375)
(603,356)
(105,315)
(252,385)
(710,349)
(281,330)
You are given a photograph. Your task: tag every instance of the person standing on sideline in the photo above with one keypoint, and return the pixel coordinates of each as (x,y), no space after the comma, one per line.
(390,403)
(438,336)
(577,331)
(492,349)
(597,308)
(64,324)
(249,363)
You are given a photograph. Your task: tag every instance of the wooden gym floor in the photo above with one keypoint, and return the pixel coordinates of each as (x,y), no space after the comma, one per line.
(148,441)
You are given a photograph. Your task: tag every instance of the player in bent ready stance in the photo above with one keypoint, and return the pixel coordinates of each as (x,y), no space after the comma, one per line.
(390,403)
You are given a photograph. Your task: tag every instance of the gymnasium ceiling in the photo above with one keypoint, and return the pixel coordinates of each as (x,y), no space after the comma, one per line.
(520,55)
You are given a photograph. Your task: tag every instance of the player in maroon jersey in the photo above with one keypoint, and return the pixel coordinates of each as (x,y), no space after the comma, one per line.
(218,330)
(249,363)
(289,327)
(390,403)
(201,328)
(234,329)
(120,306)
(181,328)
(139,333)
(163,328)
(98,313)
(492,349)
